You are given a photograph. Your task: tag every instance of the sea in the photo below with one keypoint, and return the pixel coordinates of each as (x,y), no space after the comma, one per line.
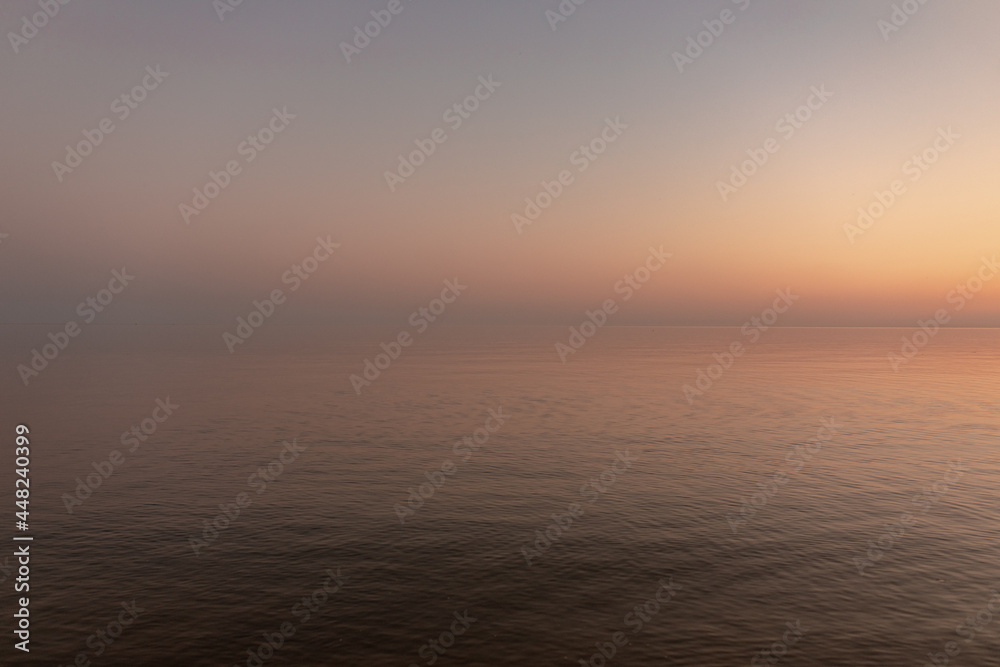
(322,496)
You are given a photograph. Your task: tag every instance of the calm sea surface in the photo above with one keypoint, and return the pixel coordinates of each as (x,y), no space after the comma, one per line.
(875,546)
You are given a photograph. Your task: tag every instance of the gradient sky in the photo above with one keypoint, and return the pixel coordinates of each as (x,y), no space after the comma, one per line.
(656,185)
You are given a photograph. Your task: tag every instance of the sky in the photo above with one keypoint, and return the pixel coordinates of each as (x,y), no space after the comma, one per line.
(682,117)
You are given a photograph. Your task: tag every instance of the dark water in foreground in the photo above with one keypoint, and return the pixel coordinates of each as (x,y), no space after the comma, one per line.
(662,518)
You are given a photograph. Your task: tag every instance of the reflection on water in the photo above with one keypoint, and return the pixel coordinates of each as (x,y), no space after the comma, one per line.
(334,528)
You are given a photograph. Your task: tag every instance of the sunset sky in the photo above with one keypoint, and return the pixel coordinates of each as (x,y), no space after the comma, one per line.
(656,183)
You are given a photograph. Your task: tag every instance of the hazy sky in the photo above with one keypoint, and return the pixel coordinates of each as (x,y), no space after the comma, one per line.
(679,134)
